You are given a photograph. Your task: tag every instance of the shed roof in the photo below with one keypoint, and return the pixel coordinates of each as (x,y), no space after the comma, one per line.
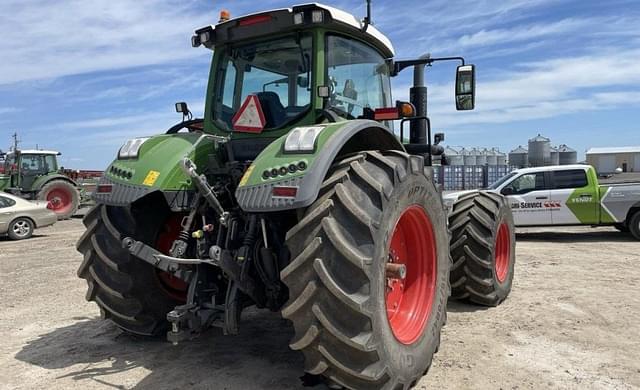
(614,150)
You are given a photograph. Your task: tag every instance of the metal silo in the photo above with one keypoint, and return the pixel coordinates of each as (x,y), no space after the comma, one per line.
(501,158)
(555,156)
(492,156)
(539,151)
(567,155)
(469,156)
(519,157)
(453,156)
(481,156)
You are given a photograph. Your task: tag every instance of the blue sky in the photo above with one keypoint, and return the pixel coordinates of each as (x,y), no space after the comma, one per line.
(83,76)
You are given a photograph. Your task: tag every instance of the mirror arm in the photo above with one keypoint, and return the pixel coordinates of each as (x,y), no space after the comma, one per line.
(399,66)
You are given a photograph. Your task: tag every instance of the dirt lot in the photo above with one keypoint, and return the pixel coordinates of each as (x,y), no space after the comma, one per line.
(572,321)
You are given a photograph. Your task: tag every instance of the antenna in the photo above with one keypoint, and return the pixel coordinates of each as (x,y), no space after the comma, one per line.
(15,141)
(367,19)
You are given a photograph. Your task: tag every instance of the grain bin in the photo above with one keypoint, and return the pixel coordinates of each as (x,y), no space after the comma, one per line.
(555,156)
(481,157)
(501,158)
(492,156)
(567,155)
(519,157)
(539,151)
(453,156)
(469,156)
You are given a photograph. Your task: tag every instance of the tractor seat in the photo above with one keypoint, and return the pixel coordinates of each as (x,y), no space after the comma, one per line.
(274,112)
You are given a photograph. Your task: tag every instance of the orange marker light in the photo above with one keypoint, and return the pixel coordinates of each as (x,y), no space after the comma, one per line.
(224,16)
(406,109)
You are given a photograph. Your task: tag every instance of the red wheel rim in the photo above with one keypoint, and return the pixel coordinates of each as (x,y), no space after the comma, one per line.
(502,252)
(60,200)
(409,300)
(174,287)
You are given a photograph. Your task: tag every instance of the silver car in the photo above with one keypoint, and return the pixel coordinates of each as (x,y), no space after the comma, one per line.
(19,217)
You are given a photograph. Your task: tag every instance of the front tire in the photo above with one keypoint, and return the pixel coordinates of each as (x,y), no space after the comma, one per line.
(63,197)
(482,248)
(20,229)
(127,289)
(374,209)
(634,225)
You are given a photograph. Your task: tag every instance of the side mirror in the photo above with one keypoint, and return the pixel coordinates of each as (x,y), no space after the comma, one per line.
(437,138)
(507,191)
(182,107)
(465,87)
(303,82)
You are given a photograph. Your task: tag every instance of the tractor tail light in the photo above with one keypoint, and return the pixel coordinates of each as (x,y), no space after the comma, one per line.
(104,188)
(385,114)
(285,192)
(254,20)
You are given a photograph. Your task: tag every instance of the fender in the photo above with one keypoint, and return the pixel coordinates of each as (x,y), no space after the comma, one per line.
(42,180)
(254,193)
(157,170)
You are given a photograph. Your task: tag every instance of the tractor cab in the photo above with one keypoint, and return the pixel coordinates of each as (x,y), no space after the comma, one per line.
(304,65)
(25,166)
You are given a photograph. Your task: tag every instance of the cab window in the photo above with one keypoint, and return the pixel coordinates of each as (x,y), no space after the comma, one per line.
(574,178)
(32,164)
(277,71)
(524,184)
(6,202)
(358,77)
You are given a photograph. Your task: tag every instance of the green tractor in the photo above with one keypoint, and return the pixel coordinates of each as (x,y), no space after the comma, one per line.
(34,174)
(294,194)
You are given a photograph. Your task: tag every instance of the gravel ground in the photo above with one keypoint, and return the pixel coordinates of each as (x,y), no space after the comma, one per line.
(572,322)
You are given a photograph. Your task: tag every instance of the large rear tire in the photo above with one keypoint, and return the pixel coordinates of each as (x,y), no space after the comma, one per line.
(482,248)
(63,197)
(356,323)
(127,290)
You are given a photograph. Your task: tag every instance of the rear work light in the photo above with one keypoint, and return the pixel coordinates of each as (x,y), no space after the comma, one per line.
(284,192)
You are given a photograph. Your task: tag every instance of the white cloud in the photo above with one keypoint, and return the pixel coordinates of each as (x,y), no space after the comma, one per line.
(8,110)
(43,39)
(545,89)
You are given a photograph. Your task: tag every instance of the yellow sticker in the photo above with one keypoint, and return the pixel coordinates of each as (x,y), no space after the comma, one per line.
(151,178)
(246,176)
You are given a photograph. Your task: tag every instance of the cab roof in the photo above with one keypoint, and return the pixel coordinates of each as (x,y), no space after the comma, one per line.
(552,168)
(283,20)
(36,151)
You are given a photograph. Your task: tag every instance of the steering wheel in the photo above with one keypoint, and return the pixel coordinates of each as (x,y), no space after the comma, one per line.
(185,124)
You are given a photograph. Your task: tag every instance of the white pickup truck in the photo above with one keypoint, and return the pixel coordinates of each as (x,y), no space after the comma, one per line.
(568,195)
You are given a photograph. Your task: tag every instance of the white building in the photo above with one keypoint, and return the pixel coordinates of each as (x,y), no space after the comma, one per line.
(607,160)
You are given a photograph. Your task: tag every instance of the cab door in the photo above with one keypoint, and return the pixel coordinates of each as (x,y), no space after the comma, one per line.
(573,200)
(527,195)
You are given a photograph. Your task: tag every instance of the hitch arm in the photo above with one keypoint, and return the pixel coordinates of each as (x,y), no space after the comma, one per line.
(157,259)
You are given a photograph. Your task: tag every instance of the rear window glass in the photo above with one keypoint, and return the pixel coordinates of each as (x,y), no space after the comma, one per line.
(574,178)
(6,202)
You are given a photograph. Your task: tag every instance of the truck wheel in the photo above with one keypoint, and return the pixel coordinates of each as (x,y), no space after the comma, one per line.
(20,229)
(482,248)
(357,321)
(634,225)
(63,198)
(128,291)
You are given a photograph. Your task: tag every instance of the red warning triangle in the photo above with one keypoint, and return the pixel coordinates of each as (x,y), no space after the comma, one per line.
(250,117)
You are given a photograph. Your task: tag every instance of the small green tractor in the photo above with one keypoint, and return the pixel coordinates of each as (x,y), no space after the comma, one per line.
(294,194)
(34,174)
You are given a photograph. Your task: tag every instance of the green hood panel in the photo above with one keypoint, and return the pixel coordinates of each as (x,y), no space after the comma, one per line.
(158,165)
